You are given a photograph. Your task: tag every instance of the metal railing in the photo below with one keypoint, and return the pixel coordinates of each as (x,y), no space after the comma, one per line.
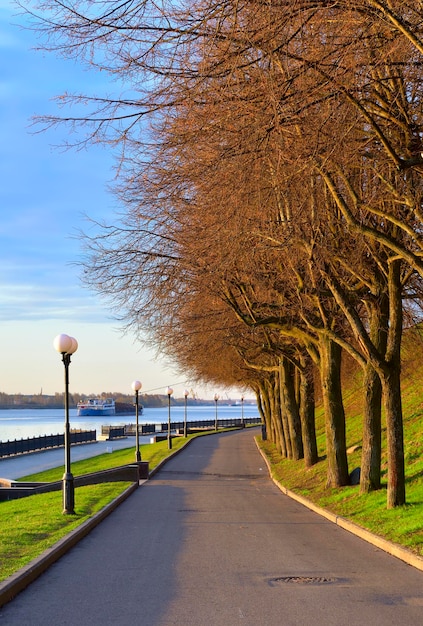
(153,429)
(44,442)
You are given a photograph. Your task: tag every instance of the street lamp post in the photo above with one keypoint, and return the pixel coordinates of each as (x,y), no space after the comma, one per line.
(66,346)
(186,394)
(242,410)
(169,392)
(216,398)
(136,386)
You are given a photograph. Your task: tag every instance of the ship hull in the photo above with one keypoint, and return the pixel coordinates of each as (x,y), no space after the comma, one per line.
(92,412)
(96,407)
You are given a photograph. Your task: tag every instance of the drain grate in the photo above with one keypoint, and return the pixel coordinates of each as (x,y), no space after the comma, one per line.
(303,580)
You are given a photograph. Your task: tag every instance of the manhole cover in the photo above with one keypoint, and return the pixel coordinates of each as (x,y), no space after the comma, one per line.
(303,580)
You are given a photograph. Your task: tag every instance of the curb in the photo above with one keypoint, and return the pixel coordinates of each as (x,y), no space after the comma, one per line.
(387,546)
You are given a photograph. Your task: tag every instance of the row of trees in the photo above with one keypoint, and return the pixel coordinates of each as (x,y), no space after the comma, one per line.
(271,177)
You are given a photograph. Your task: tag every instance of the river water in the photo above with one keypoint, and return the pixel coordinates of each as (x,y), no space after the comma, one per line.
(24,423)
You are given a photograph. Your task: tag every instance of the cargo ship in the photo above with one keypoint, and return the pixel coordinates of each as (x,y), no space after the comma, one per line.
(96,407)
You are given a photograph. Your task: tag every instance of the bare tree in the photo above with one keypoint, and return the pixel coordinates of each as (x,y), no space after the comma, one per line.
(278,134)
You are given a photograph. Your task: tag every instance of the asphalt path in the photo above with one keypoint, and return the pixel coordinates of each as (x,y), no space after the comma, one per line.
(211,541)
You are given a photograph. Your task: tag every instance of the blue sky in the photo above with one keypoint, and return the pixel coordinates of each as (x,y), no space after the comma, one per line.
(45,195)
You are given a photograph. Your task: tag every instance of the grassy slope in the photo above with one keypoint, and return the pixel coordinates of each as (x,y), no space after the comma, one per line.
(403,525)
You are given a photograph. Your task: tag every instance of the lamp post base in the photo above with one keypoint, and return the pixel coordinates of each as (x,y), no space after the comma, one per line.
(68,494)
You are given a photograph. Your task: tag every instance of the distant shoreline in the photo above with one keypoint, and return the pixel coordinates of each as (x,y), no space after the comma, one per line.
(22,406)
(58,406)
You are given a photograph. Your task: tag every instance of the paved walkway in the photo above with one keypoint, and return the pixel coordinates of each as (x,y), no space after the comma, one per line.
(211,541)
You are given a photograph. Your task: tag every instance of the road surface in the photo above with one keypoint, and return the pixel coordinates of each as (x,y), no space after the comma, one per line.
(211,541)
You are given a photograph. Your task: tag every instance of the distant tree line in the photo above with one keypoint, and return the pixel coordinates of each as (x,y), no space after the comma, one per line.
(270,170)
(40,401)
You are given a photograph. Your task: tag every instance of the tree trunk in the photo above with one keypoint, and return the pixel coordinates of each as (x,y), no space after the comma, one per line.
(290,408)
(372,430)
(330,370)
(307,406)
(391,385)
(266,412)
(274,422)
(278,417)
(395,438)
(259,400)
